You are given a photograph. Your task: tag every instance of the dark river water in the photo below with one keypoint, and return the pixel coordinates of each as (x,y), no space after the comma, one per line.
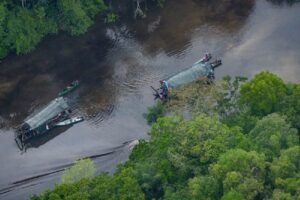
(116,65)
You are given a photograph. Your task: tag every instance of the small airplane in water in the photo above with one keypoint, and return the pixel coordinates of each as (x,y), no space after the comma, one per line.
(200,70)
(56,113)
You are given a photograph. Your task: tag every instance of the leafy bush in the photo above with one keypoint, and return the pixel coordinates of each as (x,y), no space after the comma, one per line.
(263,93)
(204,158)
(154,112)
(111,18)
(22,27)
(83,168)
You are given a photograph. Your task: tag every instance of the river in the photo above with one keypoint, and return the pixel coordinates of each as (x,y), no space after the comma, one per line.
(116,65)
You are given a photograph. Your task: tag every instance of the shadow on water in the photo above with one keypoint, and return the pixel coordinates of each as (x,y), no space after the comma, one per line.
(42,139)
(172,29)
(281,2)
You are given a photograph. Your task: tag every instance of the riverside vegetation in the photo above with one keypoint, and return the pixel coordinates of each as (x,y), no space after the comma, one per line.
(24,23)
(238,140)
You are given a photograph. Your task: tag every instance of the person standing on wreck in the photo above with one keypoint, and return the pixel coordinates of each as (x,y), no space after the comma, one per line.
(165,90)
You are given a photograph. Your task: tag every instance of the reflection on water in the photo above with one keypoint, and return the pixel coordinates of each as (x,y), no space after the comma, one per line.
(113,61)
(270,42)
(281,2)
(172,29)
(116,66)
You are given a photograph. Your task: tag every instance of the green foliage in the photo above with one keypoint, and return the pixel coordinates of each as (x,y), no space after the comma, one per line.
(44,23)
(180,150)
(111,18)
(161,3)
(154,112)
(272,134)
(202,141)
(176,193)
(3,35)
(74,18)
(241,171)
(120,186)
(285,172)
(22,28)
(54,196)
(203,187)
(290,105)
(242,118)
(93,7)
(263,93)
(233,195)
(280,195)
(234,149)
(83,168)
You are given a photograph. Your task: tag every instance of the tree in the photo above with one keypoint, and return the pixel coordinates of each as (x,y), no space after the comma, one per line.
(201,141)
(203,187)
(154,112)
(280,195)
(83,168)
(233,195)
(285,172)
(22,31)
(179,192)
(44,24)
(74,18)
(241,171)
(263,93)
(24,23)
(290,105)
(4,46)
(93,7)
(120,186)
(272,134)
(153,169)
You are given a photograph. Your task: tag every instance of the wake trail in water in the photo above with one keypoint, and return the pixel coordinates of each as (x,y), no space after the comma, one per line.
(56,171)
